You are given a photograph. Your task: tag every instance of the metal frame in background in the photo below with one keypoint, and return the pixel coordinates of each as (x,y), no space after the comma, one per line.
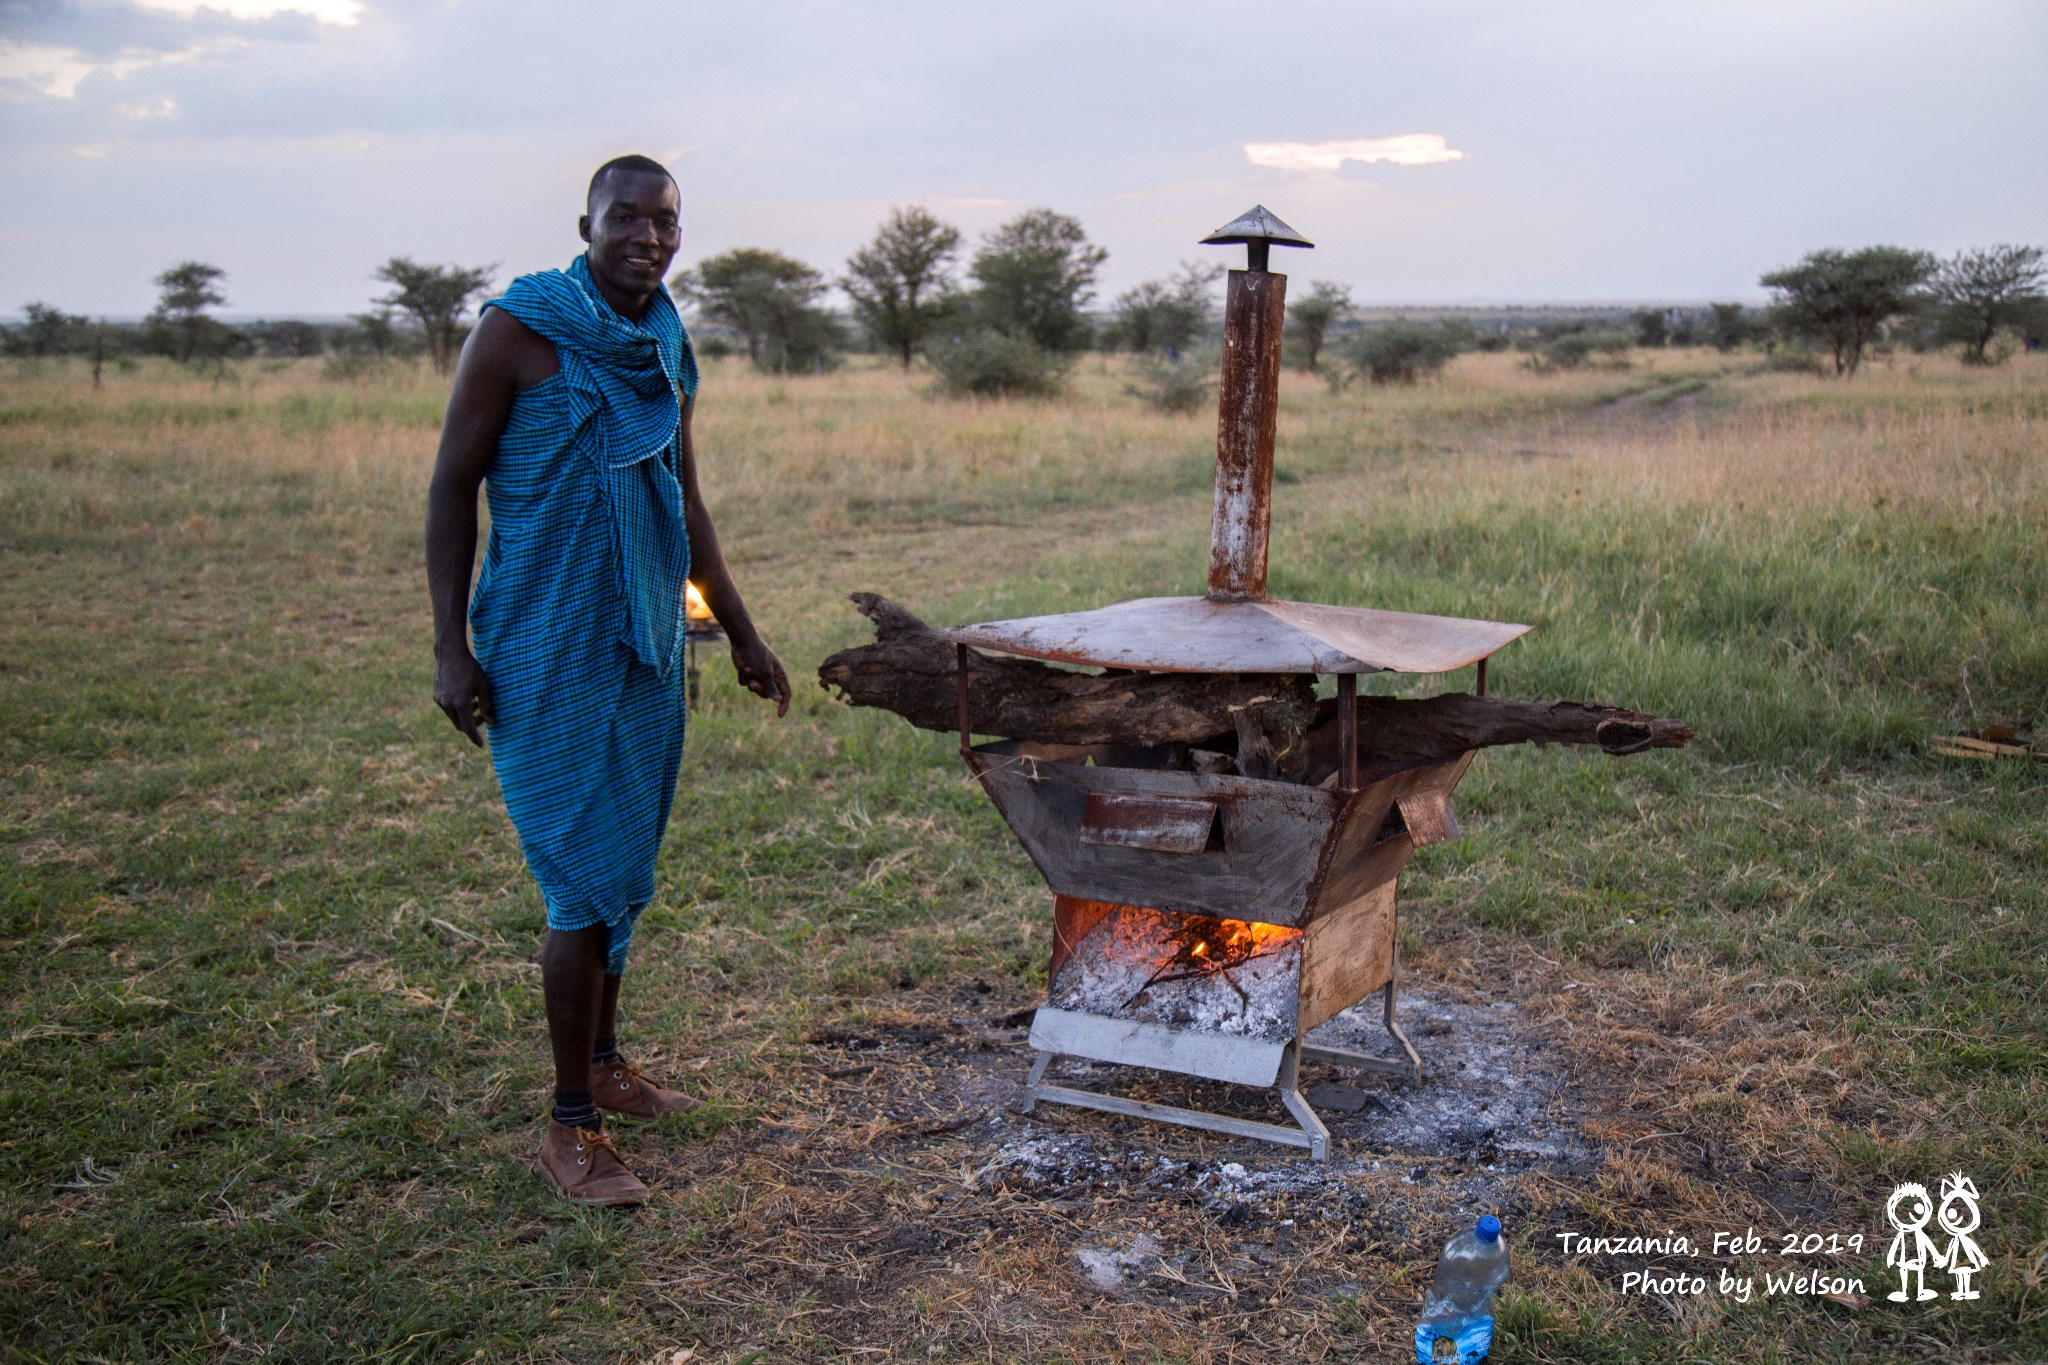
(1309,1132)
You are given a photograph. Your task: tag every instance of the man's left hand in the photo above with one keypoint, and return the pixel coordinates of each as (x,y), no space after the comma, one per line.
(761,672)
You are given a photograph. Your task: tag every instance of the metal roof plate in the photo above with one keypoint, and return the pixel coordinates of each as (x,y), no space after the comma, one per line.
(1258,224)
(1203,635)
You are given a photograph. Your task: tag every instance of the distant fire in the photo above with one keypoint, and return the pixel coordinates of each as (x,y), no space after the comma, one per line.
(695,608)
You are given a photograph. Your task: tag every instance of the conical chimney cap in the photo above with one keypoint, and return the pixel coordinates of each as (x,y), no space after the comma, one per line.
(1258,225)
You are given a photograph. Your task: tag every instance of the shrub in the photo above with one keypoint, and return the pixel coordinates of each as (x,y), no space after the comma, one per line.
(996,365)
(1402,352)
(1571,345)
(1790,359)
(1185,385)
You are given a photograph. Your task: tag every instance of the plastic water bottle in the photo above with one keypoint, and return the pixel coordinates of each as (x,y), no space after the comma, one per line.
(1456,1329)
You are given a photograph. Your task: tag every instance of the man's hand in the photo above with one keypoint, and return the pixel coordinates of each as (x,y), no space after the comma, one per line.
(464,694)
(761,672)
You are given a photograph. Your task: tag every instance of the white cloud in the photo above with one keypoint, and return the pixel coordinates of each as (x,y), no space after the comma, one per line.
(1407,149)
(343,12)
(56,71)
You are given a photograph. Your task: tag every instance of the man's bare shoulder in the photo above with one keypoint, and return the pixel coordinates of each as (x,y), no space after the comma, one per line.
(506,349)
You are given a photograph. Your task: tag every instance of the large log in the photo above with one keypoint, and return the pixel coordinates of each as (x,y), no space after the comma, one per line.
(912,672)
(1400,730)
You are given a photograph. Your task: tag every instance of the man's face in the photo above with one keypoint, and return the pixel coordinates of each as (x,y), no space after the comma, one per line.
(633,230)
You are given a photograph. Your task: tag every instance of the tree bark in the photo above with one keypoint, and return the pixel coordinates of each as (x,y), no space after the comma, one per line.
(913,672)
(1400,730)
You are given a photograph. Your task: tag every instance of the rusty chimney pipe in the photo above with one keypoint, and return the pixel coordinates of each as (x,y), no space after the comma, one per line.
(1254,316)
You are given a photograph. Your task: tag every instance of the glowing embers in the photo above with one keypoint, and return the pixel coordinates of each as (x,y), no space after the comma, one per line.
(1187,971)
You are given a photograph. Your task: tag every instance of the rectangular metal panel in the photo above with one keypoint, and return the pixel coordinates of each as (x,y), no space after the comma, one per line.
(1346,955)
(1162,824)
(1274,835)
(1214,1056)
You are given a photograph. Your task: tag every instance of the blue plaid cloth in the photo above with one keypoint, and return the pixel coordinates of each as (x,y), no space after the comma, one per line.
(577,617)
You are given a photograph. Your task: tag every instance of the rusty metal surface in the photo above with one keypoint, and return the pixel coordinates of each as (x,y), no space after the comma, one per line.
(1201,635)
(1162,824)
(1248,411)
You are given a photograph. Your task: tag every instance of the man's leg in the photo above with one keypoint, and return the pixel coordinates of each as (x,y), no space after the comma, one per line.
(606,1048)
(572,978)
(576,1157)
(616,1083)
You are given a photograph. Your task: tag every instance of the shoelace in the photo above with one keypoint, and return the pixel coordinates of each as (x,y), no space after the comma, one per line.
(587,1139)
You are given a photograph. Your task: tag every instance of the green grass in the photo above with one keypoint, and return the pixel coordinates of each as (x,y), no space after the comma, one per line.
(268,946)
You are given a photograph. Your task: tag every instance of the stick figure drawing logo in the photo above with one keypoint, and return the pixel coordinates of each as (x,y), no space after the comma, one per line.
(1912,1251)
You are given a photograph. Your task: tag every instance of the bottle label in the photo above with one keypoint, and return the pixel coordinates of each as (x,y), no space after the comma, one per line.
(1473,1339)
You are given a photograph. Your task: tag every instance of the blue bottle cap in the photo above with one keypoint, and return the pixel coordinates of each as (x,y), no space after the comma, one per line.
(1488,1228)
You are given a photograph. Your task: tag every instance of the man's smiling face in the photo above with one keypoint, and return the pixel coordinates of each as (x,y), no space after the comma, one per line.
(633,231)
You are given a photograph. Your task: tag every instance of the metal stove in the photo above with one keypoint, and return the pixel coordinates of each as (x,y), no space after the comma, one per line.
(1205,921)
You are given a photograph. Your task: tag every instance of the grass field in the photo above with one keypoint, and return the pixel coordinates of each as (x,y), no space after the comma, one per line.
(271,1057)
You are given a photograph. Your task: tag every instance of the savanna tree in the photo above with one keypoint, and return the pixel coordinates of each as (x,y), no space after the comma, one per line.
(1311,315)
(770,300)
(1033,276)
(187,290)
(1170,314)
(49,331)
(1842,298)
(1979,292)
(1728,326)
(437,296)
(901,283)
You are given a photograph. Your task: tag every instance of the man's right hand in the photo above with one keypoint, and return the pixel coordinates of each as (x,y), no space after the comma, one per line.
(463,693)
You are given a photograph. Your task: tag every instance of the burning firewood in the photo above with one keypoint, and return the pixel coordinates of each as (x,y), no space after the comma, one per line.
(911,671)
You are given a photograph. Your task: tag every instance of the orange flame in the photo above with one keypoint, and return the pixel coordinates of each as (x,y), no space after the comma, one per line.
(695,608)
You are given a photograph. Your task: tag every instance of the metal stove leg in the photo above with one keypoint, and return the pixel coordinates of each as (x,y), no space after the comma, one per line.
(1031,1082)
(1291,1096)
(1310,1133)
(1409,1070)
(1414,1057)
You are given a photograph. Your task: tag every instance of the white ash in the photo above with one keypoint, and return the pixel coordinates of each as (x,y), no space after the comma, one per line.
(1492,1099)
(1109,1269)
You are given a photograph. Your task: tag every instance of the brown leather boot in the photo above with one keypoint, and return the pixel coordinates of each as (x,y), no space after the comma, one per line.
(623,1090)
(585,1167)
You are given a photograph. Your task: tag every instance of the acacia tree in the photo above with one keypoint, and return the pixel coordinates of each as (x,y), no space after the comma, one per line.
(1312,314)
(770,299)
(437,296)
(1033,276)
(1842,298)
(901,283)
(1728,325)
(1979,292)
(1170,314)
(49,331)
(189,288)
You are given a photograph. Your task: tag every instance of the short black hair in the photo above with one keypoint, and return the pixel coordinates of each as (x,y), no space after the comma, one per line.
(644,165)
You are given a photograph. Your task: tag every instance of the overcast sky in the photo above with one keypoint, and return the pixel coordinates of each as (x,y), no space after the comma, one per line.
(1434,150)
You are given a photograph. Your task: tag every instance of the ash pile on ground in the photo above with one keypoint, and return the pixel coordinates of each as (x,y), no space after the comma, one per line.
(1493,1102)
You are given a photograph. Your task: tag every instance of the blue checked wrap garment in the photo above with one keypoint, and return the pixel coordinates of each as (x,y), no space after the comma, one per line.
(577,617)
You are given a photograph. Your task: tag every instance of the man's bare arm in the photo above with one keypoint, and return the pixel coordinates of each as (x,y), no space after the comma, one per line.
(758,668)
(501,358)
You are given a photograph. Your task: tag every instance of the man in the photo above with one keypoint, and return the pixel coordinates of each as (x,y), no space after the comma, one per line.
(572,404)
